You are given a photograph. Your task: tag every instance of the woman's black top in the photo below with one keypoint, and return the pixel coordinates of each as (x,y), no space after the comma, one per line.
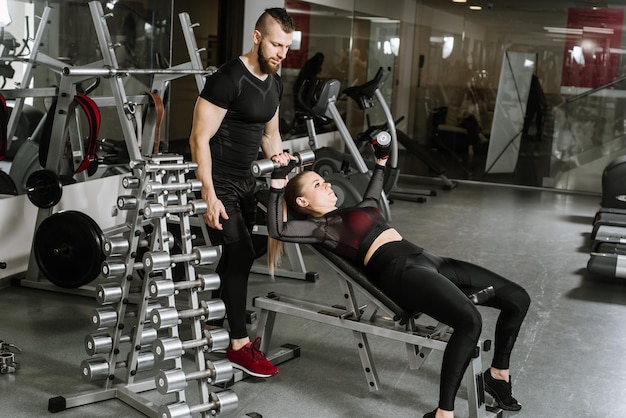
(349,232)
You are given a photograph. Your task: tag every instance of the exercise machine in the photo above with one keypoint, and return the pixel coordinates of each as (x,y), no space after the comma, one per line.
(347,172)
(608,235)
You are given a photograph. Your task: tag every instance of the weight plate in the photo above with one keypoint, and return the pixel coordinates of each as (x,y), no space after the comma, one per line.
(68,249)
(44,188)
(7,185)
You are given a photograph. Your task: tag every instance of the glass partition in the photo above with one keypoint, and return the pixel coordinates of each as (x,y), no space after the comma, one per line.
(521,93)
(567,119)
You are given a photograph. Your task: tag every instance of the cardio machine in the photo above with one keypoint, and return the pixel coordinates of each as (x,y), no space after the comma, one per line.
(348,172)
(333,164)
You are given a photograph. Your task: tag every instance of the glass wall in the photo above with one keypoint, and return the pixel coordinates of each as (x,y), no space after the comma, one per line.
(527,93)
(524,93)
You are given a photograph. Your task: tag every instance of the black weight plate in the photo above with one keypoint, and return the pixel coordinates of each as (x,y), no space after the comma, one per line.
(44,188)
(7,185)
(68,249)
(96,230)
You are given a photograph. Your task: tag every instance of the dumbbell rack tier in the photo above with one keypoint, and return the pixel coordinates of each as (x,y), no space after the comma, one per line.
(137,346)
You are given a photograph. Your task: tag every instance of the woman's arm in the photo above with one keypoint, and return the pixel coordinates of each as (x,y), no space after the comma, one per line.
(307,231)
(375,186)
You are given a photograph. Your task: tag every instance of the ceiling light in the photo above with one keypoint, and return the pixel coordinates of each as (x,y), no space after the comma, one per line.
(476,7)
(459,1)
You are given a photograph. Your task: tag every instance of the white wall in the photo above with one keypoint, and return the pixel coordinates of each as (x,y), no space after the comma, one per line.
(97,198)
(252,11)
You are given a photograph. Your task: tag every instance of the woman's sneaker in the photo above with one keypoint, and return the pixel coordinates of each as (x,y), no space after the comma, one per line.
(251,360)
(501,392)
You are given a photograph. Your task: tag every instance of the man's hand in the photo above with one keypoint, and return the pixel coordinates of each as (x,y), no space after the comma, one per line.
(215,210)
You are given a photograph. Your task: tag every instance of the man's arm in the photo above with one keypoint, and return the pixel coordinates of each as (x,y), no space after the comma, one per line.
(272,143)
(207,118)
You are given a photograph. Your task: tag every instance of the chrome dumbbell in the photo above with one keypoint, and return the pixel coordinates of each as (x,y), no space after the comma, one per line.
(171,317)
(168,381)
(112,269)
(101,344)
(156,187)
(161,260)
(97,368)
(157,210)
(261,167)
(120,246)
(107,317)
(163,288)
(171,348)
(108,293)
(220,403)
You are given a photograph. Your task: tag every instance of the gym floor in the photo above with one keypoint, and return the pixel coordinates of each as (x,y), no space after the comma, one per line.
(568,362)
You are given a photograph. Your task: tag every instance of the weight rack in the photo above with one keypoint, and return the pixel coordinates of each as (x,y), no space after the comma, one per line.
(143,298)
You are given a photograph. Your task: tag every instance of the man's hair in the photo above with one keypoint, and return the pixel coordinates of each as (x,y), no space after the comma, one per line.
(280,15)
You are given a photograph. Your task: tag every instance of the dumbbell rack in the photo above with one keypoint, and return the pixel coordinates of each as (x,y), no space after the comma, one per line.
(158,198)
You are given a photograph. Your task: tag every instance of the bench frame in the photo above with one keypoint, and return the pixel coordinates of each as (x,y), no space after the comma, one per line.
(378,318)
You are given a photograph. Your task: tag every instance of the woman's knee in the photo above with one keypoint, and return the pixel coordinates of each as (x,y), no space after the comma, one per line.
(517,296)
(469,321)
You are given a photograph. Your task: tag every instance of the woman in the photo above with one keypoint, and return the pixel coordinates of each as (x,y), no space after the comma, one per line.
(419,280)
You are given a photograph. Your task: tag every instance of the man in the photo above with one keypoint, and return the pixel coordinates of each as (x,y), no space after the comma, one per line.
(236,113)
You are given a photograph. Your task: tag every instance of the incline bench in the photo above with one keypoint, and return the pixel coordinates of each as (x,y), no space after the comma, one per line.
(380,316)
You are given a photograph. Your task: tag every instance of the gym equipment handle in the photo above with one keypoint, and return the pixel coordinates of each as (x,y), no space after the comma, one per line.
(261,167)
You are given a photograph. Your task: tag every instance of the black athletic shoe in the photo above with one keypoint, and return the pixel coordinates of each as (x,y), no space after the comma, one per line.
(430,414)
(501,392)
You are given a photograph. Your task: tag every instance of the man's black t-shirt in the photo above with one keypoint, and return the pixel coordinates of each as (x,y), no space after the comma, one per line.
(251,103)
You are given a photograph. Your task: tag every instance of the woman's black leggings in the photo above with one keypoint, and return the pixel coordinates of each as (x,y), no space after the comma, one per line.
(437,287)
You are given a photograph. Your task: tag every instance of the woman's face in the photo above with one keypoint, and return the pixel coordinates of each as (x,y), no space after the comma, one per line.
(316,193)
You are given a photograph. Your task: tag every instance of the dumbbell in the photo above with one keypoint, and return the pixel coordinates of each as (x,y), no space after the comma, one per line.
(161,260)
(108,293)
(171,317)
(107,317)
(171,348)
(112,269)
(482,296)
(382,138)
(112,246)
(156,187)
(97,368)
(101,344)
(130,202)
(169,381)
(220,403)
(130,182)
(164,288)
(157,210)
(261,167)
(164,167)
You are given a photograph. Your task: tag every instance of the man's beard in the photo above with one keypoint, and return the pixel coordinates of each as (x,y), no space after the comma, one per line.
(264,63)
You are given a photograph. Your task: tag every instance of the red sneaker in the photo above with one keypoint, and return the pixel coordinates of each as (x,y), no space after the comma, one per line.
(251,360)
